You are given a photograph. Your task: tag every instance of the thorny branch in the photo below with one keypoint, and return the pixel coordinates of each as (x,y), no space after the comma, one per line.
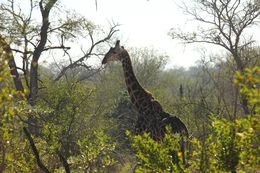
(79,62)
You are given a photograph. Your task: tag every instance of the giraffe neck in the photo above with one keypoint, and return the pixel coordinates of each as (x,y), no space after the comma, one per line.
(139,96)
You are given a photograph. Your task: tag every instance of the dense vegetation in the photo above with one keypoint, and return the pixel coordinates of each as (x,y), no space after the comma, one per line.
(71,116)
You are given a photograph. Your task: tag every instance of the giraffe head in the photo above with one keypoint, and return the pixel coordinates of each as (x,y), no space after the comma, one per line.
(113,54)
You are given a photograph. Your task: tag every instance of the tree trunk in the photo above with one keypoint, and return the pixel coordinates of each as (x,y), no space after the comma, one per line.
(245,105)
(12,65)
(39,49)
(33,83)
(35,151)
(241,68)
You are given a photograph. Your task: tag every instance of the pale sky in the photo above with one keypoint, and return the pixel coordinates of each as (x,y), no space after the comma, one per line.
(143,24)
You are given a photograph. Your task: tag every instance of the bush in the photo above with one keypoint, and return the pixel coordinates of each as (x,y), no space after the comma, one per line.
(152,156)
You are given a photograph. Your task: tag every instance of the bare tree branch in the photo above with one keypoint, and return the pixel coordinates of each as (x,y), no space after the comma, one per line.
(56,47)
(78,62)
(226,23)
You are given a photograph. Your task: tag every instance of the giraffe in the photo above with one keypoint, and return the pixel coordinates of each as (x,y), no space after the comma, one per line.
(151,116)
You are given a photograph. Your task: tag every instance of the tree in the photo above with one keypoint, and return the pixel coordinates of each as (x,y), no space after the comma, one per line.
(148,63)
(24,37)
(226,22)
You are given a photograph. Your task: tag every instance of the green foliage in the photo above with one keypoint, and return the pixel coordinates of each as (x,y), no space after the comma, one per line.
(73,125)
(249,86)
(96,154)
(219,151)
(225,144)
(12,142)
(233,146)
(152,156)
(248,135)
